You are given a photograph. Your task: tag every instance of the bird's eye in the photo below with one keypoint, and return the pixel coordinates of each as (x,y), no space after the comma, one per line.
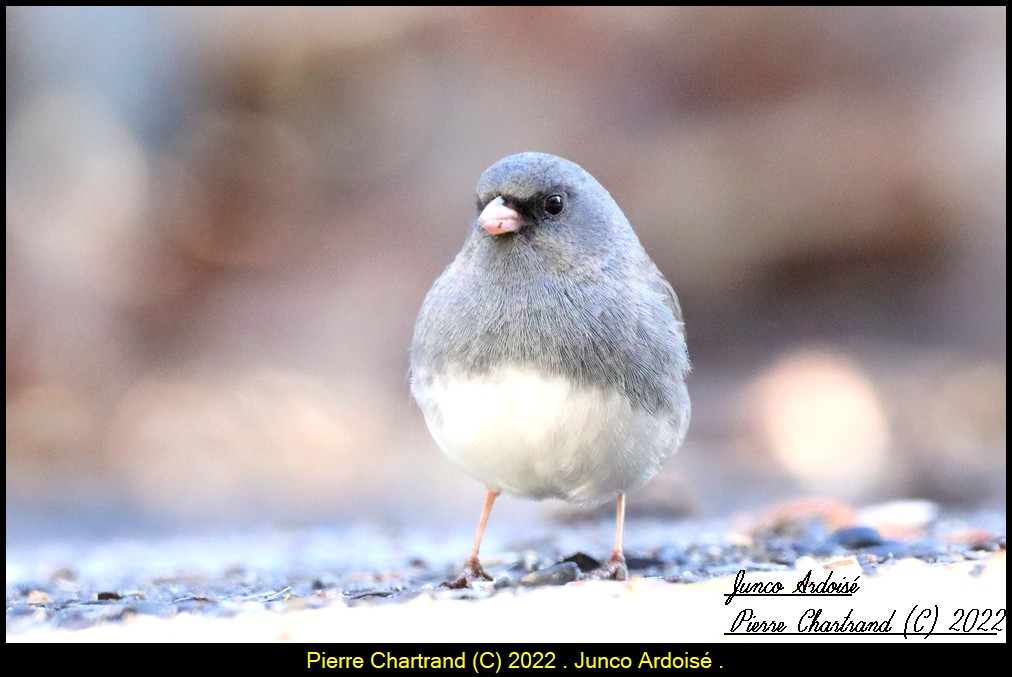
(554,204)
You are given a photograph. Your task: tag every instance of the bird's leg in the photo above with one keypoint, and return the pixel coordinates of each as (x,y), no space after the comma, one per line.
(472,567)
(616,568)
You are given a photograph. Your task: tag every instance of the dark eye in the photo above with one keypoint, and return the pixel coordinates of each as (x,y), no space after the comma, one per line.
(554,204)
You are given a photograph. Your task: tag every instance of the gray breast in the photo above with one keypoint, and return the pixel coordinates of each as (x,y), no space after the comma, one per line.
(608,330)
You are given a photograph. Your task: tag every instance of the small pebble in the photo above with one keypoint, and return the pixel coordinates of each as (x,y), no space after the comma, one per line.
(585,562)
(988,546)
(643,563)
(365,594)
(38,597)
(504,580)
(559,574)
(66,580)
(856,537)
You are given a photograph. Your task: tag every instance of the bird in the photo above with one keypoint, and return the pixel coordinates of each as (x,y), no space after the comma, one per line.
(549,359)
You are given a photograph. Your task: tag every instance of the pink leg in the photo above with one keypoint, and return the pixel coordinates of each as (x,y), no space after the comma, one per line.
(616,568)
(472,567)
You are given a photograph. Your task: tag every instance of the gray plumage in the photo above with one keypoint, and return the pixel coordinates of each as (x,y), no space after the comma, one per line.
(569,313)
(574,295)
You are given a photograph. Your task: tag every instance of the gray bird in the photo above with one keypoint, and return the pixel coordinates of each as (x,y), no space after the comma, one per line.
(549,358)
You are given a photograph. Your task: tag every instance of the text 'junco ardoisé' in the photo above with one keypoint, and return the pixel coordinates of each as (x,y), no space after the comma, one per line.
(549,358)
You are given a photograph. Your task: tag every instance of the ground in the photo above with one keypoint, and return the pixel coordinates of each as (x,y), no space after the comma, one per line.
(374,583)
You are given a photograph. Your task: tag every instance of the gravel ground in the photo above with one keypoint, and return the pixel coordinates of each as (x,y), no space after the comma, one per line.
(355,583)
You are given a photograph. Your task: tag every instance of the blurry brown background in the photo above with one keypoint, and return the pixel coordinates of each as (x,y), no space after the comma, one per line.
(221,224)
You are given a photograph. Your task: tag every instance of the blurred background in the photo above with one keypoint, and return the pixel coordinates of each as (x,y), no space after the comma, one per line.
(221,224)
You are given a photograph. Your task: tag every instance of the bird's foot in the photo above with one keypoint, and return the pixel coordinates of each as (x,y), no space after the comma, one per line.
(614,569)
(472,572)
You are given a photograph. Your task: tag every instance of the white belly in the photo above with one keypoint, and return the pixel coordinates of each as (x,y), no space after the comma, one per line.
(539,436)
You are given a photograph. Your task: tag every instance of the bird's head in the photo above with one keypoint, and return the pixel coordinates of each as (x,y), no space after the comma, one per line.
(548,202)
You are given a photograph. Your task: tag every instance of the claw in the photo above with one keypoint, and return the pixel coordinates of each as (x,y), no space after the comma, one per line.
(472,572)
(616,568)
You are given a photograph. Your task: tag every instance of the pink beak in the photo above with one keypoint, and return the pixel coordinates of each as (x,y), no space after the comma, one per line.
(497,218)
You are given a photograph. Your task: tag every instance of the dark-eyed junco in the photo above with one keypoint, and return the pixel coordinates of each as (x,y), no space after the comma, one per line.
(549,358)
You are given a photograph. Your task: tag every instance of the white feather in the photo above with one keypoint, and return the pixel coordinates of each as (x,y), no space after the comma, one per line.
(539,436)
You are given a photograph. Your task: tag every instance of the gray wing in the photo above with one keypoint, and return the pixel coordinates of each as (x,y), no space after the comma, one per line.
(659,284)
